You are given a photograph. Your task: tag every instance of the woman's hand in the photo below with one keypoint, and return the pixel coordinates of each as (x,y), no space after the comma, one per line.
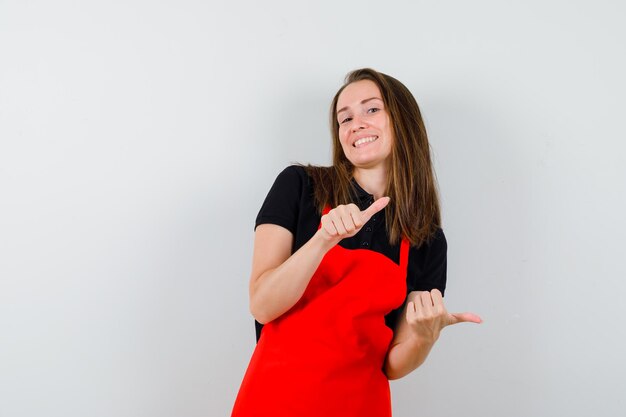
(346,220)
(414,337)
(427,315)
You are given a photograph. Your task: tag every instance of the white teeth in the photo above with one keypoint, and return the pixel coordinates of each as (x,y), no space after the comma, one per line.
(365,140)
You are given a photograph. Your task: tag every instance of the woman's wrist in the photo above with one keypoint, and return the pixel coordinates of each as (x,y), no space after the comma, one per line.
(323,242)
(421,341)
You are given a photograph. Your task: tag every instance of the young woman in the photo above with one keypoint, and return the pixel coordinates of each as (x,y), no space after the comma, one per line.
(349,264)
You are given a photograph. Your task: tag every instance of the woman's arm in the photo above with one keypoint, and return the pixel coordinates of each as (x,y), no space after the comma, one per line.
(418,328)
(279,279)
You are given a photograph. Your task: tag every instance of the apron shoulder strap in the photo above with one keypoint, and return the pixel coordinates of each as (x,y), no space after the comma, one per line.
(404,254)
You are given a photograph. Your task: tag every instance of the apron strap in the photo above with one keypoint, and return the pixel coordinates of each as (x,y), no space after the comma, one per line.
(404,254)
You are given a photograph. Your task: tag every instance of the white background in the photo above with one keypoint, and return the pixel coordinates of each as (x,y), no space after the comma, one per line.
(139,138)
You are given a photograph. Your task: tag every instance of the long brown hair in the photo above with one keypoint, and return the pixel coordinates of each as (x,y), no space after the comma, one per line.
(413,211)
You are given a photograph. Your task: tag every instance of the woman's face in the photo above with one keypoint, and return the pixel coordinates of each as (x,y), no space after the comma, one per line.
(364,125)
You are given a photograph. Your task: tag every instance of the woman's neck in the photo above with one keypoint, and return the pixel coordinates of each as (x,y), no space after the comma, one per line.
(372,180)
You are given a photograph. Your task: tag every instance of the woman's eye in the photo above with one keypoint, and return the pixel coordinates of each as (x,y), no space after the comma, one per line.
(347,119)
(373,110)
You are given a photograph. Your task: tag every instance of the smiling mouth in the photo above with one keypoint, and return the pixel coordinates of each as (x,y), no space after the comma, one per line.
(364,141)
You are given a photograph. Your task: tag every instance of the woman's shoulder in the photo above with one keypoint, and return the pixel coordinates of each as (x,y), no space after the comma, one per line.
(294,169)
(291,188)
(305,175)
(290,201)
(295,173)
(436,243)
(438,239)
(290,178)
(305,170)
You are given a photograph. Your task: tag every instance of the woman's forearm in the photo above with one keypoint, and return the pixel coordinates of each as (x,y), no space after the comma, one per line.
(406,356)
(276,290)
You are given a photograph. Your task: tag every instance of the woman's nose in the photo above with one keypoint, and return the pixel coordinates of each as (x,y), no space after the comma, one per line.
(358,123)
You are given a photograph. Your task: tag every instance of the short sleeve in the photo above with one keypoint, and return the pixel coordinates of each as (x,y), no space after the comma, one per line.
(282,203)
(430,270)
(427,270)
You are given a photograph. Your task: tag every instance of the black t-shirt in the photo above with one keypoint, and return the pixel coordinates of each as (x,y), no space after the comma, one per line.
(290,203)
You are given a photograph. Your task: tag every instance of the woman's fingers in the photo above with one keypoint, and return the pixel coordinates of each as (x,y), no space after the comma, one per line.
(338,223)
(427,314)
(347,217)
(410,307)
(328,226)
(342,219)
(356,217)
(454,318)
(438,307)
(427,309)
(346,220)
(376,206)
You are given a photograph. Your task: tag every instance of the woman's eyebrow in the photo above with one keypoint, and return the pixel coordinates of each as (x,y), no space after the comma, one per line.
(362,102)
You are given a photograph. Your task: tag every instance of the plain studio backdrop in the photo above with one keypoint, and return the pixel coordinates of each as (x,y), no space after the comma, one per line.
(138,140)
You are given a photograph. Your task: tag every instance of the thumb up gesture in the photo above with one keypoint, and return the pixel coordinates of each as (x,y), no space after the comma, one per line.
(427,315)
(346,220)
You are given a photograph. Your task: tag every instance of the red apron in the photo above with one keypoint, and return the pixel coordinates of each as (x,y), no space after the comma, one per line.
(324,357)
